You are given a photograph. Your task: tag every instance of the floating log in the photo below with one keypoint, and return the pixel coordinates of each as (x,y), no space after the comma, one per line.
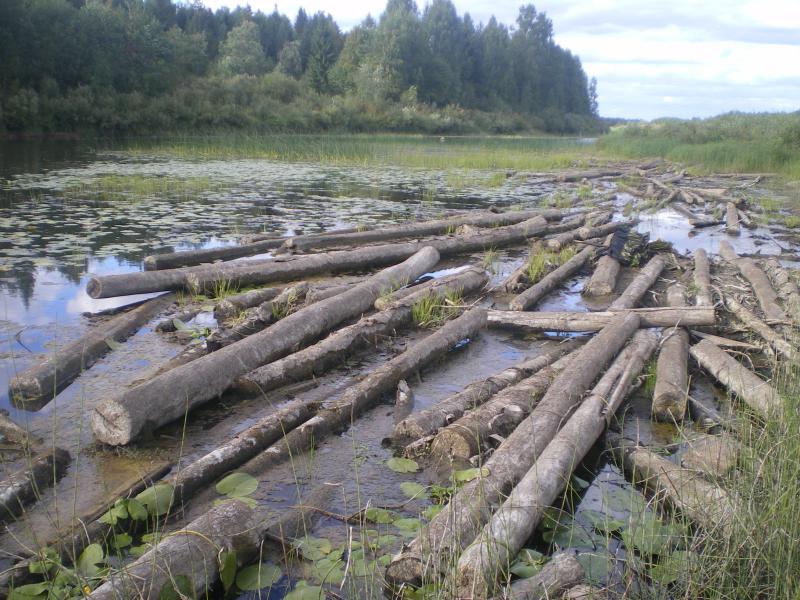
(471,507)
(785,286)
(748,386)
(713,455)
(450,409)
(574,176)
(560,573)
(119,420)
(600,231)
(186,258)
(300,267)
(641,283)
(14,434)
(515,521)
(595,321)
(318,358)
(702,278)
(604,279)
(758,326)
(39,384)
(24,486)
(234,305)
(552,280)
(732,219)
(672,378)
(767,298)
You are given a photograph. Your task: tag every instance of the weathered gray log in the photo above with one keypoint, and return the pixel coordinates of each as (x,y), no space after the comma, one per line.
(119,420)
(595,229)
(515,521)
(695,219)
(767,298)
(318,358)
(387,300)
(184,316)
(366,393)
(641,283)
(745,218)
(257,272)
(600,231)
(450,409)
(23,487)
(39,384)
(785,286)
(713,455)
(748,386)
(259,237)
(560,573)
(472,506)
(581,175)
(500,415)
(566,224)
(724,342)
(752,322)
(318,292)
(13,433)
(604,279)
(552,280)
(172,260)
(702,278)
(594,321)
(232,306)
(732,219)
(672,378)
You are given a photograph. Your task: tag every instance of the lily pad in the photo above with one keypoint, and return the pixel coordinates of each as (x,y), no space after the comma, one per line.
(88,563)
(156,499)
(378,515)
(313,548)
(470,474)
(596,565)
(303,591)
(602,522)
(412,489)
(257,577)
(402,465)
(408,525)
(237,485)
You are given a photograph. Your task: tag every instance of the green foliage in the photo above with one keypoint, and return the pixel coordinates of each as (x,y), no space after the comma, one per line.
(542,261)
(431,311)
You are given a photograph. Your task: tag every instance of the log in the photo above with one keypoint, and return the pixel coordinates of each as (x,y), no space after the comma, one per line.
(552,280)
(767,298)
(471,507)
(732,219)
(560,573)
(724,342)
(515,521)
(317,293)
(24,486)
(387,300)
(785,286)
(566,224)
(671,391)
(119,420)
(600,231)
(641,283)
(318,358)
(36,386)
(258,272)
(713,455)
(575,176)
(186,258)
(14,434)
(604,279)
(184,316)
(234,305)
(534,322)
(748,386)
(450,409)
(702,278)
(745,218)
(758,326)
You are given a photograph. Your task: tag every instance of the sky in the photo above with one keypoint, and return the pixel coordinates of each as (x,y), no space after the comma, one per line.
(676,58)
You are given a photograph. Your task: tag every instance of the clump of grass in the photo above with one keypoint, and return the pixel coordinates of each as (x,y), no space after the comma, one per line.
(542,261)
(133,187)
(284,309)
(490,258)
(223,288)
(791,221)
(584,191)
(560,199)
(432,311)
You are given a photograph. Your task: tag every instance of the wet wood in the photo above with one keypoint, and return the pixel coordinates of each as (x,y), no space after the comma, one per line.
(732,219)
(785,286)
(36,386)
(234,305)
(604,278)
(713,455)
(429,554)
(566,224)
(119,420)
(671,391)
(14,434)
(643,281)
(724,342)
(186,258)
(576,176)
(600,231)
(560,573)
(756,325)
(702,278)
(168,325)
(552,280)
(24,486)
(767,298)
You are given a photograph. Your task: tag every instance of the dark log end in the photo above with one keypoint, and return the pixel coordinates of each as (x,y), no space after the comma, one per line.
(404,569)
(94,288)
(150,263)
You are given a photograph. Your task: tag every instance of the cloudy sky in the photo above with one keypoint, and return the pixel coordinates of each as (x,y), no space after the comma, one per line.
(682,58)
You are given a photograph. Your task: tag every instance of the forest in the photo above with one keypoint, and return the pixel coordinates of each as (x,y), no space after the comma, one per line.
(120,67)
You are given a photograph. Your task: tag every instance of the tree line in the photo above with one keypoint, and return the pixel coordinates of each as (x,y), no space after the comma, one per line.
(121,66)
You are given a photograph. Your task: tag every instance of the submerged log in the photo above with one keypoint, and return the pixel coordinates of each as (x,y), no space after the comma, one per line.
(186,258)
(450,409)
(641,283)
(732,219)
(752,322)
(559,574)
(24,486)
(702,279)
(232,306)
(39,384)
(767,298)
(168,325)
(604,279)
(472,506)
(595,321)
(672,378)
(740,380)
(119,420)
(552,280)
(514,522)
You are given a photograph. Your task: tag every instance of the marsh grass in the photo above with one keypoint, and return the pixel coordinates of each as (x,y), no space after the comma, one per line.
(432,311)
(542,261)
(134,187)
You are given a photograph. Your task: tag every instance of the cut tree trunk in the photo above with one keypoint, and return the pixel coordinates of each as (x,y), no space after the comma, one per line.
(387,300)
(24,486)
(552,280)
(118,421)
(450,409)
(604,279)
(600,231)
(740,380)
(232,306)
(785,286)
(515,521)
(752,322)
(767,298)
(641,283)
(732,219)
(36,386)
(713,455)
(173,260)
(566,224)
(702,279)
(14,434)
(472,506)
(672,378)
(560,573)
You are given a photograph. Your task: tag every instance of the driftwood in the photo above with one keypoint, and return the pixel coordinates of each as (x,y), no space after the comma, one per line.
(36,386)
(604,279)
(119,420)
(23,487)
(514,522)
(552,280)
(471,507)
(14,434)
(672,378)
(748,386)
(560,573)
(599,231)
(566,224)
(594,321)
(184,316)
(702,279)
(641,283)
(232,306)
(713,455)
(732,219)
(450,409)
(186,258)
(724,342)
(785,286)
(574,176)
(767,298)
(752,322)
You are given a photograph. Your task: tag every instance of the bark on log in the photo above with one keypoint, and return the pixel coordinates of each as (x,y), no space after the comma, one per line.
(604,279)
(759,327)
(785,286)
(713,455)
(184,316)
(748,386)
(745,218)
(566,224)
(318,358)
(14,434)
(601,231)
(724,342)
(300,267)
(388,300)
(767,298)
(23,487)
(173,260)
(36,386)
(702,278)
(732,219)
(574,176)
(232,306)
(641,283)
(506,533)
(119,420)
(560,573)
(595,321)
(472,506)
(450,409)
(552,280)
(672,378)
(317,293)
